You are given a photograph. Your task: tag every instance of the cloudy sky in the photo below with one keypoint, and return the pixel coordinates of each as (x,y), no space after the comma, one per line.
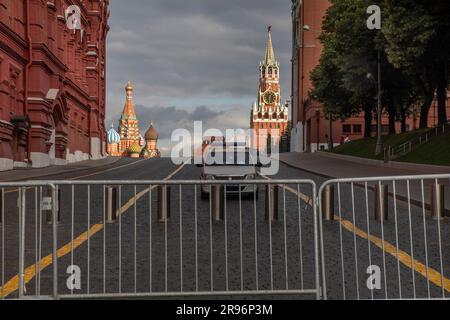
(193,59)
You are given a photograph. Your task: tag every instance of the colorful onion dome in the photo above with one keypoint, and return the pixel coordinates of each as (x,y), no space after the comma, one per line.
(151,133)
(113,136)
(135,148)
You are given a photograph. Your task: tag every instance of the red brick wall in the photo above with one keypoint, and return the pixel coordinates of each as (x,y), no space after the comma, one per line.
(60,59)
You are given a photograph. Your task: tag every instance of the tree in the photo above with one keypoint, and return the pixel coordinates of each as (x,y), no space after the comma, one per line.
(418,36)
(329,88)
(350,54)
(414,46)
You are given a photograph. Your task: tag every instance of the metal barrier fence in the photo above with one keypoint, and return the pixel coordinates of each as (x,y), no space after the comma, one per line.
(385,238)
(23,208)
(162,239)
(365,238)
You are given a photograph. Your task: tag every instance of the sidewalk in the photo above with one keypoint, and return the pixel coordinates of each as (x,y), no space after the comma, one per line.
(334,166)
(330,165)
(21,174)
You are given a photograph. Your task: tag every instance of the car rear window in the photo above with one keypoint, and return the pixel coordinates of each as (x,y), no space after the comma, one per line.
(228,157)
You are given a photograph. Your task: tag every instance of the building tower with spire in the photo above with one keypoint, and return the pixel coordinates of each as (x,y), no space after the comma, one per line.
(128,125)
(128,141)
(269,117)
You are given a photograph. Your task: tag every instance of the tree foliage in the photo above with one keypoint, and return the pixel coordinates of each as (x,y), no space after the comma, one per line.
(414,50)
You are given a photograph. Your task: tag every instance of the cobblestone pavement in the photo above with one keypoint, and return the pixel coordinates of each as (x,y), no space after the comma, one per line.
(137,254)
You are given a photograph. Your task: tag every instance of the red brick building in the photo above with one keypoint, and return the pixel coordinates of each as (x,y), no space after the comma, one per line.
(310,124)
(52,82)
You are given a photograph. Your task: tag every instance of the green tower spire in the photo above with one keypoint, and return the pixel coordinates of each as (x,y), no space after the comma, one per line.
(269,59)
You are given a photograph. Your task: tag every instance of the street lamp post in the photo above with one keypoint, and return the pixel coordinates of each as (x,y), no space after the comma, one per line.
(318,128)
(301,104)
(379,148)
(330,133)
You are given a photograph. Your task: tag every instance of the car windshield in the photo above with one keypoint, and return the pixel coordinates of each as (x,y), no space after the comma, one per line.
(220,157)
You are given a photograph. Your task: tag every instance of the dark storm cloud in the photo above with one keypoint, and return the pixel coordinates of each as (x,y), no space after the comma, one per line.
(168,119)
(178,52)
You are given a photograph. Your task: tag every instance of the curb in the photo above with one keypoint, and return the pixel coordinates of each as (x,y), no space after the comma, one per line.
(391,164)
(68,171)
(416,203)
(307,171)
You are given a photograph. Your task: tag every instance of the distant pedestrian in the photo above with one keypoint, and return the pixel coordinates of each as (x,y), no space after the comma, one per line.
(347,139)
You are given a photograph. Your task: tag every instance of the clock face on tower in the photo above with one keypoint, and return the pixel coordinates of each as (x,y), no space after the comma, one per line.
(270,97)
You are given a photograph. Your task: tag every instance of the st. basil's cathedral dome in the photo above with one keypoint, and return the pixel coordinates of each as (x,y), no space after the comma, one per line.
(113,136)
(128,142)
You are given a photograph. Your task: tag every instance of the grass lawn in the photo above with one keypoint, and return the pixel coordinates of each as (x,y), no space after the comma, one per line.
(436,152)
(365,148)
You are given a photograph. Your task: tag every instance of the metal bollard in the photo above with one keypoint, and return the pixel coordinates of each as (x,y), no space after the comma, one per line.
(437,201)
(328,203)
(47,205)
(272,192)
(164,194)
(112,204)
(381,202)
(217,202)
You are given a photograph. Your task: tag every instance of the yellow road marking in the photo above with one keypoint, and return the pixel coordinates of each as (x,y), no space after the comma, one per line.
(30,272)
(433,275)
(13,284)
(304,197)
(108,170)
(130,203)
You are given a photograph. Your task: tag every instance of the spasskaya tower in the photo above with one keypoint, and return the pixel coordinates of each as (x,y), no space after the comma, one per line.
(269,118)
